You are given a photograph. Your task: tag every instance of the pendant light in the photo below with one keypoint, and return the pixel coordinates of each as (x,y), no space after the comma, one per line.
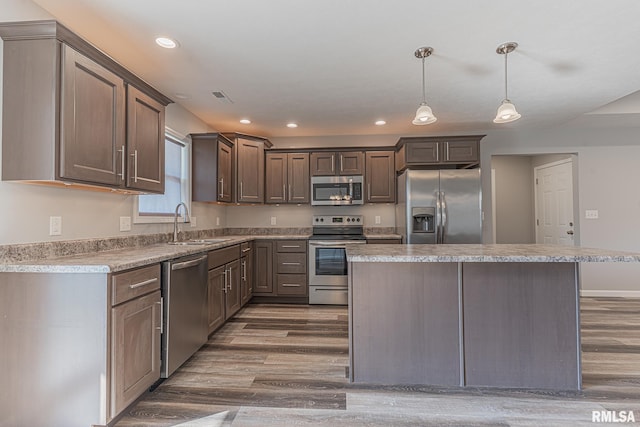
(506,111)
(424,115)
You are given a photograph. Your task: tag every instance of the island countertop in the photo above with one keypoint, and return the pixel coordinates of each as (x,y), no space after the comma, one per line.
(485,253)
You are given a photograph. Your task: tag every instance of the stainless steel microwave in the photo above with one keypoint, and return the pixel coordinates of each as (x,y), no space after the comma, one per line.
(336,190)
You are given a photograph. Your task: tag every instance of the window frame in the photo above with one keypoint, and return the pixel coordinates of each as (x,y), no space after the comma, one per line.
(185,142)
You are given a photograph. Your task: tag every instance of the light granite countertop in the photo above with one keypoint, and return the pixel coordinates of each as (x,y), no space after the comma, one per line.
(485,253)
(124,259)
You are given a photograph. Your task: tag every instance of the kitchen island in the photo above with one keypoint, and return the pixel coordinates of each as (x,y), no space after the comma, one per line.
(468,315)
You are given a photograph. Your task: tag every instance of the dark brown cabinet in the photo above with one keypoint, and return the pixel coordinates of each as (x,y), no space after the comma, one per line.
(73,114)
(248,162)
(263,257)
(215,298)
(437,151)
(246,272)
(212,166)
(287,178)
(327,163)
(233,294)
(224,291)
(145,142)
(380,177)
(291,268)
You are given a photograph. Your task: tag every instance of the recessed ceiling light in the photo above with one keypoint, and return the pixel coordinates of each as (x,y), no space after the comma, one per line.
(380,123)
(245,121)
(292,125)
(166,42)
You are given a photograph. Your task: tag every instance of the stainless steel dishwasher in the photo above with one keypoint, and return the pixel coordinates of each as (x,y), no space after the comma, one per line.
(184,289)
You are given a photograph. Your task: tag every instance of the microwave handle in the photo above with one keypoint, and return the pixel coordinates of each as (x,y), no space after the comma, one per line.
(350,188)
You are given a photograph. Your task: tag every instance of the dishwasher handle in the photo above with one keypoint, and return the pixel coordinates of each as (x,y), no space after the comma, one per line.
(187,264)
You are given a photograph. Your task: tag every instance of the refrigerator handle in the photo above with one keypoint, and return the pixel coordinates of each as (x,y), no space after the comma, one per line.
(443,204)
(438,217)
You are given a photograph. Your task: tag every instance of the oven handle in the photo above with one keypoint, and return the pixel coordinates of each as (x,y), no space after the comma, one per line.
(336,242)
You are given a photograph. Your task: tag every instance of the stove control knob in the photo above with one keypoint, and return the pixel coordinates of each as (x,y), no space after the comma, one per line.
(358,219)
(348,219)
(321,219)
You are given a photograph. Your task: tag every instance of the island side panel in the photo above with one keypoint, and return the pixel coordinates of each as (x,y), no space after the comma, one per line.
(521,325)
(404,323)
(53,335)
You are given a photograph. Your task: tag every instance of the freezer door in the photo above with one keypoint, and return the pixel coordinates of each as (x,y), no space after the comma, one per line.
(421,195)
(461,200)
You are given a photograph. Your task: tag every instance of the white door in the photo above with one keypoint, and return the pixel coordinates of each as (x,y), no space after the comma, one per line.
(554,203)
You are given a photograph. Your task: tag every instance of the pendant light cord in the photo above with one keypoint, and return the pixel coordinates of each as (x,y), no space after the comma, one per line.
(506,95)
(424,91)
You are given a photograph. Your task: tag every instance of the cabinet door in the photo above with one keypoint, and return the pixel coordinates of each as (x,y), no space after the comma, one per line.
(460,151)
(417,153)
(145,142)
(225,184)
(92,139)
(250,188)
(135,347)
(233,294)
(276,178)
(323,163)
(351,163)
(215,297)
(298,178)
(380,177)
(263,268)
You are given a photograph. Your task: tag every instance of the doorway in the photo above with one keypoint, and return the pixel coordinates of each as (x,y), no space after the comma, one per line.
(554,203)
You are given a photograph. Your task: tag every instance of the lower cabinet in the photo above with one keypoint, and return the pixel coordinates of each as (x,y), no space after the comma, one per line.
(224,289)
(281,271)
(136,326)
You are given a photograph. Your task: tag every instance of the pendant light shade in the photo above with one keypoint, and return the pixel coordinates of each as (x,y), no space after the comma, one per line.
(424,115)
(506,111)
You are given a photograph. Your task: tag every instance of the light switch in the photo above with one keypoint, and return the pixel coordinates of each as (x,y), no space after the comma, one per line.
(55,225)
(273,220)
(377,219)
(217,220)
(125,223)
(194,221)
(591,214)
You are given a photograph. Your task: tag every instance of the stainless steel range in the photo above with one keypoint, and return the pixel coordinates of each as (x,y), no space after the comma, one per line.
(328,276)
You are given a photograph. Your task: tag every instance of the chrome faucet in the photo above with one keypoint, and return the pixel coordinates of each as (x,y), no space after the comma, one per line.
(175,220)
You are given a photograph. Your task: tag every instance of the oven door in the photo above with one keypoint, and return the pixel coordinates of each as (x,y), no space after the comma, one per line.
(328,262)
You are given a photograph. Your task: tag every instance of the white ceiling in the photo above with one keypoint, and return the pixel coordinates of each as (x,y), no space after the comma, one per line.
(336,66)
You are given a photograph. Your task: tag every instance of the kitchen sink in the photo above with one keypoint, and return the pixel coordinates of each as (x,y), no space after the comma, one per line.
(205,241)
(187,243)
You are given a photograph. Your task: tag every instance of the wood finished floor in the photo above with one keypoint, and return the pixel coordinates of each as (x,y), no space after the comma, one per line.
(285,365)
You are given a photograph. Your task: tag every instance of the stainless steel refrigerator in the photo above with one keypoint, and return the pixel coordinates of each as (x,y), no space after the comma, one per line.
(439,206)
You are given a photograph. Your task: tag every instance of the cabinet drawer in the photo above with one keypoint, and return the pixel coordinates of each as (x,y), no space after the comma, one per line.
(134,283)
(292,284)
(245,248)
(291,263)
(291,246)
(223,256)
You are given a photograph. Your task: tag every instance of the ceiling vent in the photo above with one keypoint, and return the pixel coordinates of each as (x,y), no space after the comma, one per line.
(222,97)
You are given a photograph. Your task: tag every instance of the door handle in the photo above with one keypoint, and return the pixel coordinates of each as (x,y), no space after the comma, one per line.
(444,216)
(187,264)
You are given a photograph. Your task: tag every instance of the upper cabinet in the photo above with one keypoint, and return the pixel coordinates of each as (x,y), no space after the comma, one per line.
(249,167)
(327,163)
(212,166)
(287,178)
(380,178)
(72,114)
(462,151)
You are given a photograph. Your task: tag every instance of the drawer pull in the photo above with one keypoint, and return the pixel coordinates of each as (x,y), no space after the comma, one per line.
(246,250)
(291,246)
(146,282)
(291,285)
(290,263)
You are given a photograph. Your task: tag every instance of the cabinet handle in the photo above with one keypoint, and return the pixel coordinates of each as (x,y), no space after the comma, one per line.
(230,279)
(246,250)
(140,284)
(221,188)
(284,192)
(244,270)
(437,151)
(341,167)
(224,288)
(290,263)
(161,314)
(290,193)
(122,158)
(368,191)
(135,165)
(291,285)
(333,168)
(241,193)
(290,246)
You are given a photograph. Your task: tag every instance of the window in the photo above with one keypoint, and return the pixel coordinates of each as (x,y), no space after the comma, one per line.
(154,208)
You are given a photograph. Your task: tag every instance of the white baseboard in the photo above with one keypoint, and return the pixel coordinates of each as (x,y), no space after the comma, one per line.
(611,294)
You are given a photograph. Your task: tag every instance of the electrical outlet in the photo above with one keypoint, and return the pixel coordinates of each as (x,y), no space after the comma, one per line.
(591,214)
(217,220)
(55,225)
(194,221)
(273,220)
(125,223)
(377,220)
